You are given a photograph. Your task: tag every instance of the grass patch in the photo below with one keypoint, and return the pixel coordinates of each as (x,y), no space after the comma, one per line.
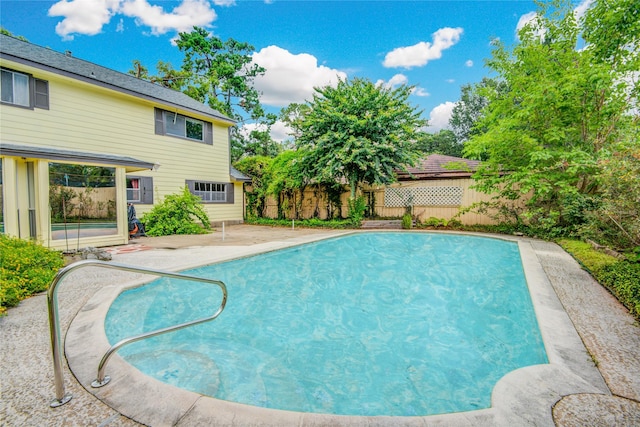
(590,258)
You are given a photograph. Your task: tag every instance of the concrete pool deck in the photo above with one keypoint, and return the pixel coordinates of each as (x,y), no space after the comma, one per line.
(570,391)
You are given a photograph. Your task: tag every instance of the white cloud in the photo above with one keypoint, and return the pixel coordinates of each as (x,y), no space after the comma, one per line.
(469,63)
(581,9)
(530,18)
(420,54)
(421,92)
(439,117)
(89,16)
(290,77)
(83,16)
(525,19)
(398,80)
(450,80)
(395,81)
(280,132)
(401,79)
(224,2)
(183,17)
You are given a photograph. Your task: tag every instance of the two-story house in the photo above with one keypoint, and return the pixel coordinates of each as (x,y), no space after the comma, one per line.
(78,142)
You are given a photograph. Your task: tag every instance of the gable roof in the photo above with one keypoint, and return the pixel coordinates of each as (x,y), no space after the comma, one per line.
(236,175)
(26,53)
(433,167)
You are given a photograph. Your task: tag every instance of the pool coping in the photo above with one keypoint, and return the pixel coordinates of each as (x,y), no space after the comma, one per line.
(523,396)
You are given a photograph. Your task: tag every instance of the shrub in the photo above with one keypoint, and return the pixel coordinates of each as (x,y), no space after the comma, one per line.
(357,208)
(302,223)
(177,214)
(26,268)
(435,222)
(623,280)
(407,221)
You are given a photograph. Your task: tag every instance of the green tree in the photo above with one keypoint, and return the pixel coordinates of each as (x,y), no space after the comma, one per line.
(256,167)
(287,181)
(292,115)
(359,132)
(616,221)
(8,33)
(258,142)
(611,30)
(557,116)
(218,73)
(470,107)
(443,142)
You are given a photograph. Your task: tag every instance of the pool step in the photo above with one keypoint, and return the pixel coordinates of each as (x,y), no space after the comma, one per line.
(386,224)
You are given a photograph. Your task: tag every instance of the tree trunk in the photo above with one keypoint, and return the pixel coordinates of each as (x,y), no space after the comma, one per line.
(353,183)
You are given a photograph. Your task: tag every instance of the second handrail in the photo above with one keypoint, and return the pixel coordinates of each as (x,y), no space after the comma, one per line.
(54,321)
(103,380)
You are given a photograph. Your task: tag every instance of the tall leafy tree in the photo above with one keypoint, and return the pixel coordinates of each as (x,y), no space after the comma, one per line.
(215,72)
(443,142)
(258,142)
(611,30)
(469,109)
(292,115)
(555,119)
(256,167)
(359,132)
(222,73)
(287,181)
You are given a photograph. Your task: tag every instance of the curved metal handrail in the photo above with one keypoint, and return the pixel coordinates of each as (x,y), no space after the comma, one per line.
(54,321)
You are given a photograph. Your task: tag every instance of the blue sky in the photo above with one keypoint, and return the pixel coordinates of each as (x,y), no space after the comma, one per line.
(436,46)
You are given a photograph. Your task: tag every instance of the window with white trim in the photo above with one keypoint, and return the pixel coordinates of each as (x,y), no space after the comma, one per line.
(22,90)
(15,88)
(211,192)
(133,189)
(140,189)
(181,126)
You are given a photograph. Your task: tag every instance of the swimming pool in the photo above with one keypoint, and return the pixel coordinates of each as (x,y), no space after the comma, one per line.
(383,324)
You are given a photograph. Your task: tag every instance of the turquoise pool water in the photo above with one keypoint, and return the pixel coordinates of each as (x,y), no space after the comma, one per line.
(366,324)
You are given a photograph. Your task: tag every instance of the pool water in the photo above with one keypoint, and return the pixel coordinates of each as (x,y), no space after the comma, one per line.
(381,323)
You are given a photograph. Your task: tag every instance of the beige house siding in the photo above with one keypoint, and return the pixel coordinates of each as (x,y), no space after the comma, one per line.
(98,119)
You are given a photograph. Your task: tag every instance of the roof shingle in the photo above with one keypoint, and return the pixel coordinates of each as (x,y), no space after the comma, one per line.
(27,53)
(434,167)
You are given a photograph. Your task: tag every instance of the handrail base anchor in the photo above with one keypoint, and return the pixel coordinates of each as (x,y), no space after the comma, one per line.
(96,383)
(59,402)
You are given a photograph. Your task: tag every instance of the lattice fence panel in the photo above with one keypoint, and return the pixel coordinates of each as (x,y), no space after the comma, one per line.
(422,196)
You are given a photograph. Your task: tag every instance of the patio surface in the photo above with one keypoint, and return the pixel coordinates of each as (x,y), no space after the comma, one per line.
(606,396)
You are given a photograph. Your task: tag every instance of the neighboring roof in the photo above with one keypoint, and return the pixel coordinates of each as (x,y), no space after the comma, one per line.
(47,59)
(433,167)
(236,175)
(32,152)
